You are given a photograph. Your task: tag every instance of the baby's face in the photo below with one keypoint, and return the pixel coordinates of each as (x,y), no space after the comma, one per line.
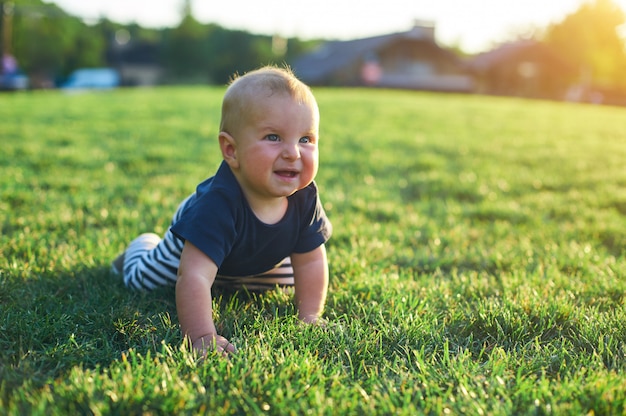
(277,147)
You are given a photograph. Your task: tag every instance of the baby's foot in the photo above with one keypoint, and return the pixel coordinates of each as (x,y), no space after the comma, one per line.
(117,266)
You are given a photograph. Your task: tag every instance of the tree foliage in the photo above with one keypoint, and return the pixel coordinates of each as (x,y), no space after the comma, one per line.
(47,40)
(51,43)
(589,38)
(210,53)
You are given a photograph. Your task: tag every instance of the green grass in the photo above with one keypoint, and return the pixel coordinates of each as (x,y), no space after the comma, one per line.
(478,260)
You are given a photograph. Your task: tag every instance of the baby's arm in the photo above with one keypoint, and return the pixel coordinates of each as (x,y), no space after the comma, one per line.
(196,275)
(310,272)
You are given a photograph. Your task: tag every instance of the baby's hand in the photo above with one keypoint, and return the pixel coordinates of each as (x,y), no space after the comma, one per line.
(213,342)
(315,321)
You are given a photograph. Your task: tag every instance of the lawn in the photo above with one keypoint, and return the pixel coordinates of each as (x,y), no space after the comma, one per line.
(478,260)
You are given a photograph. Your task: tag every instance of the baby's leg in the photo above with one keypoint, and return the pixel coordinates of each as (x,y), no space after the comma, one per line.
(151,262)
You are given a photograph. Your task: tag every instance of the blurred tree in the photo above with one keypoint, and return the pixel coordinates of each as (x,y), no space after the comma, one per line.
(237,51)
(50,43)
(46,40)
(589,38)
(195,52)
(185,49)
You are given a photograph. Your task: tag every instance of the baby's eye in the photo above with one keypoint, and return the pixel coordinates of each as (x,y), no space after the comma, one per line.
(306,139)
(272,137)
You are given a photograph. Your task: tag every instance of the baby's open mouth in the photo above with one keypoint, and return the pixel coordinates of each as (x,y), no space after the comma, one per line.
(287,173)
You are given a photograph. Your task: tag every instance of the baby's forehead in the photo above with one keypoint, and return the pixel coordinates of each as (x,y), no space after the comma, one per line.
(259,100)
(264,105)
(267,85)
(267,95)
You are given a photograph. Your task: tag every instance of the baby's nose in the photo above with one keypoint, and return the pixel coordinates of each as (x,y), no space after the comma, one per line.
(291,151)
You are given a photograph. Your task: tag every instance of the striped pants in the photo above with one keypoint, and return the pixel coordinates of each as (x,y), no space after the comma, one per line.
(151,262)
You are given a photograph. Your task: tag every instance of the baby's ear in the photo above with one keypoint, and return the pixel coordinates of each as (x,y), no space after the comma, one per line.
(228,146)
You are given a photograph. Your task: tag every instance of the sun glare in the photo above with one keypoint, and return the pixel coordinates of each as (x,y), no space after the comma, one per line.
(473,25)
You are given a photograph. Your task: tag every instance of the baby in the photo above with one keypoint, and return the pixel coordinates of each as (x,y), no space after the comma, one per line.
(257,223)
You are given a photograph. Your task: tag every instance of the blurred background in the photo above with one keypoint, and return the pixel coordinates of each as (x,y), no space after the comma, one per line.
(571,50)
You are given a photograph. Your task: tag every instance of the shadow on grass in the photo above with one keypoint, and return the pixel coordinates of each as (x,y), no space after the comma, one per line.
(57,320)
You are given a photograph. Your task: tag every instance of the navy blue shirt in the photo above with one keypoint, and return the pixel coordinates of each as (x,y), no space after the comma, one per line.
(221,224)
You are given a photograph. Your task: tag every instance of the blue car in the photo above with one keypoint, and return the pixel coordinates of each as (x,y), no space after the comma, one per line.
(14,81)
(93,78)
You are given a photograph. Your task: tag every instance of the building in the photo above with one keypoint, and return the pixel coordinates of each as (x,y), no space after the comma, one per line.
(524,68)
(136,62)
(410,60)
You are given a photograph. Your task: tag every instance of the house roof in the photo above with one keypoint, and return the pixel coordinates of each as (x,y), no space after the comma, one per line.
(334,55)
(509,51)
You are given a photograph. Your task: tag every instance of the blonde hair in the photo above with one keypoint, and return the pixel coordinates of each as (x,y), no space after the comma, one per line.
(244,92)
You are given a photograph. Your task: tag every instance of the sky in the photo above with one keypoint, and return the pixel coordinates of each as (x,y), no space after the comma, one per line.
(475,25)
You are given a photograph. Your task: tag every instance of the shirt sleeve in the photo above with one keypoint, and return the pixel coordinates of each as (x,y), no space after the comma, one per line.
(209,224)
